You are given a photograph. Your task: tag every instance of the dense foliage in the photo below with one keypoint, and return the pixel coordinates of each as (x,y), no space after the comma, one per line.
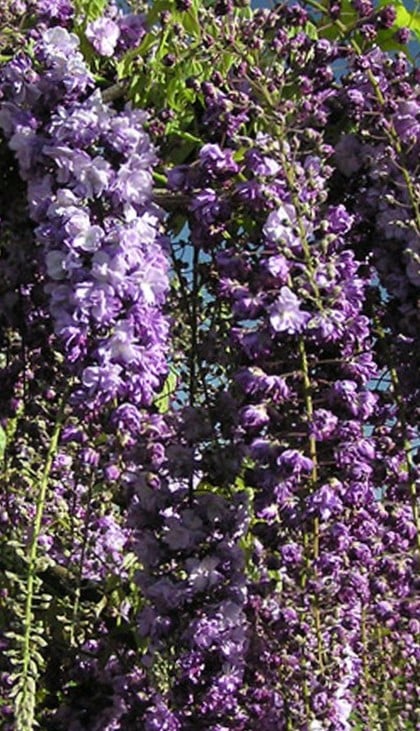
(209,346)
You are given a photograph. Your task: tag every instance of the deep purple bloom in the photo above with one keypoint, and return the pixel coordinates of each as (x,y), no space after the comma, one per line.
(407,121)
(295,461)
(323,424)
(216,161)
(325,502)
(252,417)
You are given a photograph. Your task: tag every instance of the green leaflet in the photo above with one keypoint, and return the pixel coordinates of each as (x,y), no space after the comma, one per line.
(387,42)
(162,400)
(157,8)
(3,442)
(125,64)
(311,30)
(90,9)
(191,23)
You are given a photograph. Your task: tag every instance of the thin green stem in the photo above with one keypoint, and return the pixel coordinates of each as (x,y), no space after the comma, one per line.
(383,660)
(307,394)
(307,391)
(77,594)
(365,666)
(25,698)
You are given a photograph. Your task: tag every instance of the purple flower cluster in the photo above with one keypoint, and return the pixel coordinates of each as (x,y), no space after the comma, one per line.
(88,170)
(302,415)
(97,673)
(311,297)
(385,198)
(240,553)
(193,616)
(90,284)
(116,32)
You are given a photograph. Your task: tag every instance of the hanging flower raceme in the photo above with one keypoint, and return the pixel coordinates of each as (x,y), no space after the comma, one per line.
(193,620)
(239,551)
(304,409)
(92,322)
(383,181)
(88,171)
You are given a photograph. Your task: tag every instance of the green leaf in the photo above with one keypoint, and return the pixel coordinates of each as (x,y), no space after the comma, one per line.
(348,18)
(191,23)
(99,608)
(226,63)
(3,442)
(311,31)
(403,17)
(125,64)
(413,23)
(174,92)
(162,400)
(90,9)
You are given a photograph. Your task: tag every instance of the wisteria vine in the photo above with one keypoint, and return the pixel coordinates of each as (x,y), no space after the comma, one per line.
(210,235)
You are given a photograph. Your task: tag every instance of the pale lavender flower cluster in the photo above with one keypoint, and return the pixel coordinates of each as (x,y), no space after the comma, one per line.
(88,170)
(116,30)
(94,294)
(116,33)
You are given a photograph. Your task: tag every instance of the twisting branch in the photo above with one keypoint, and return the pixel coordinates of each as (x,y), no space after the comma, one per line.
(116,91)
